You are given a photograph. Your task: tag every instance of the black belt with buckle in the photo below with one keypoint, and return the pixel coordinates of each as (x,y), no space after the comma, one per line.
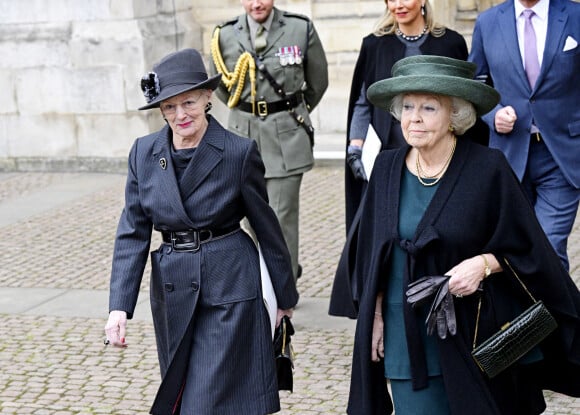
(263,108)
(537,137)
(191,239)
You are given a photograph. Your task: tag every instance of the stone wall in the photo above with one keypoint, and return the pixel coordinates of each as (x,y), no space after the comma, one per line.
(70,69)
(69,77)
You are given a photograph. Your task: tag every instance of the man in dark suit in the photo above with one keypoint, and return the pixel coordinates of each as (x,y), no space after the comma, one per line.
(534,63)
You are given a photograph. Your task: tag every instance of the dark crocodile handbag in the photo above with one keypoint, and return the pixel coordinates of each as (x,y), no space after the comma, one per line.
(515,338)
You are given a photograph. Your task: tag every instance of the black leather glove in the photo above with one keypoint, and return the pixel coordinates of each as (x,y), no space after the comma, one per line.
(441,316)
(353,158)
(424,288)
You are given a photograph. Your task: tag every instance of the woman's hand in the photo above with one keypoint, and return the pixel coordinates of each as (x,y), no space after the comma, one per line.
(281,313)
(468,274)
(378,345)
(116,327)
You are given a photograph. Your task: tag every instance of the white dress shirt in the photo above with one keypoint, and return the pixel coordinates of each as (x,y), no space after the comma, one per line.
(540,23)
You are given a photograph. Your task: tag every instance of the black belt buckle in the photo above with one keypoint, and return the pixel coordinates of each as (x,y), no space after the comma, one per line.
(193,240)
(262,108)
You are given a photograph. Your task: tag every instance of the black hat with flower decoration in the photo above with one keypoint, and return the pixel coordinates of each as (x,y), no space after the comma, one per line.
(176,73)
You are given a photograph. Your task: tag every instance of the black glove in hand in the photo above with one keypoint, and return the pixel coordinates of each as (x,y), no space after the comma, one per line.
(353,158)
(441,316)
(424,288)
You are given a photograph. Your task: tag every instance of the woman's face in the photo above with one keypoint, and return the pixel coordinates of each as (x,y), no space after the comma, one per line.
(425,119)
(406,12)
(185,112)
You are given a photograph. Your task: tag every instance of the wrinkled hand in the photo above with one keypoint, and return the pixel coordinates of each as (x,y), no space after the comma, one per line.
(116,327)
(377,344)
(466,277)
(281,313)
(354,160)
(505,119)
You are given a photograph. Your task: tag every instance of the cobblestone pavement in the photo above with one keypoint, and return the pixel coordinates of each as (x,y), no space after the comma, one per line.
(57,364)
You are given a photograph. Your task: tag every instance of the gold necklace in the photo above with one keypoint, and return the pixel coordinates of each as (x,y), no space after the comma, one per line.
(437,176)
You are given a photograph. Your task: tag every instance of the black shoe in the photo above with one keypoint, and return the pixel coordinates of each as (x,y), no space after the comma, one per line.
(299,273)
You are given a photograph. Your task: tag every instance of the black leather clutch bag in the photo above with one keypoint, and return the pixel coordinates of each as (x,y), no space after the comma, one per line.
(515,338)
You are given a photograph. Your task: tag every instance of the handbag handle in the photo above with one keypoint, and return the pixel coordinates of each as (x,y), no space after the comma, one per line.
(283,335)
(515,274)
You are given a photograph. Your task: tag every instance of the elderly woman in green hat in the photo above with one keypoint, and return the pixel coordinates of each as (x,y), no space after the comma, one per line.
(193,182)
(452,210)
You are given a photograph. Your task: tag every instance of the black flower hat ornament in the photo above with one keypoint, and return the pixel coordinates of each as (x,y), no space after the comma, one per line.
(150,86)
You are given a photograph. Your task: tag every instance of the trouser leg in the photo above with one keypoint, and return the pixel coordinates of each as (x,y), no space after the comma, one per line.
(555,200)
(283,195)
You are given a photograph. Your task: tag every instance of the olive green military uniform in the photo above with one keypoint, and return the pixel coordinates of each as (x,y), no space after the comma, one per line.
(295,58)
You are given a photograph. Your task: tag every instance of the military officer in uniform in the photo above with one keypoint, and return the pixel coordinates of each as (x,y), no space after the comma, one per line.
(274,73)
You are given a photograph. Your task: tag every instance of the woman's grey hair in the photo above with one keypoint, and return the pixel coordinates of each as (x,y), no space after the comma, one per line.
(463,114)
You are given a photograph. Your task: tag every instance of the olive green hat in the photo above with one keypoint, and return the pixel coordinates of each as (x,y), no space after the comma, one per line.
(434,75)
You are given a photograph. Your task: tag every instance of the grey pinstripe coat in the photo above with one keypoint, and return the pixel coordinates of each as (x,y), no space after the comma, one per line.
(211,327)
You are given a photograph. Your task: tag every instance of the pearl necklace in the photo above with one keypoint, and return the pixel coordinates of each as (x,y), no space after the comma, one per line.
(411,38)
(437,176)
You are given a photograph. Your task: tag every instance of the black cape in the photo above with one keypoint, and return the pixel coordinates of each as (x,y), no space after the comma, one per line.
(479,207)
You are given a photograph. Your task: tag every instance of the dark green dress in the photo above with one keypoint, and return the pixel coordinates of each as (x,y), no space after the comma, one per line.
(414,200)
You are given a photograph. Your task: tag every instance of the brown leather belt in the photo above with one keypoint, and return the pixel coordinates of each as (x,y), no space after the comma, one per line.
(191,239)
(263,108)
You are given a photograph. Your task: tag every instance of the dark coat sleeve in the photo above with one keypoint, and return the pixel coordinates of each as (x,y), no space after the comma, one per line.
(132,243)
(519,239)
(267,229)
(368,391)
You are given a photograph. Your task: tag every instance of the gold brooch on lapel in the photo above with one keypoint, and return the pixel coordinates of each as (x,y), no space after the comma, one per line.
(163,163)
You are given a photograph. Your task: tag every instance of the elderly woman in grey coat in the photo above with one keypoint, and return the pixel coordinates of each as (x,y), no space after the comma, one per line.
(194,182)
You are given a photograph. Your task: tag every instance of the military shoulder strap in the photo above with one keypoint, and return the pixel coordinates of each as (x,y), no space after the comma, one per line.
(228,22)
